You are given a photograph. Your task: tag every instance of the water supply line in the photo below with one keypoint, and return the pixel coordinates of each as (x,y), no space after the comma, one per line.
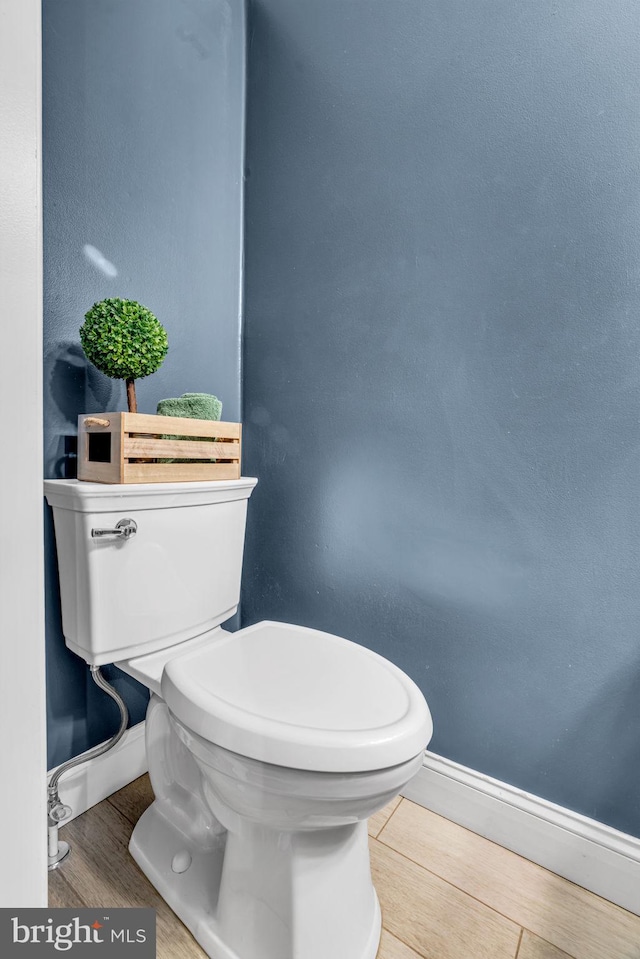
(57,812)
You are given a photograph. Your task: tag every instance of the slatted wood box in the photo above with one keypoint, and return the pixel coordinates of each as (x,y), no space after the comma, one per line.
(135,448)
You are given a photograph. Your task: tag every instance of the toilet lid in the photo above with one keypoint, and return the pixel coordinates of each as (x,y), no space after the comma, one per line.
(297,697)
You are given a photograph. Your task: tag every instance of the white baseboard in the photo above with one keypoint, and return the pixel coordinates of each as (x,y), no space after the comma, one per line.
(588,853)
(86,785)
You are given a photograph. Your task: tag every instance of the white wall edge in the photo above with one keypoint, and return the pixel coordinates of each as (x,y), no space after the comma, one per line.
(23,808)
(582,850)
(86,785)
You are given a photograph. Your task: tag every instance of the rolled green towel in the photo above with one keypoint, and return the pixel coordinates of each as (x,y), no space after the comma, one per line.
(195,406)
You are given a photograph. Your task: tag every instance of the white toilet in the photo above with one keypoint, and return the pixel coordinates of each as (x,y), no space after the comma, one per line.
(268,748)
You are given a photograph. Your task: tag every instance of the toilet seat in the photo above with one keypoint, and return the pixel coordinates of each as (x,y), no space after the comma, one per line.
(297,697)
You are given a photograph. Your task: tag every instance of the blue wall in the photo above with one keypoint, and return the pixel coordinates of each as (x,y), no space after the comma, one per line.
(442,365)
(441,346)
(143,148)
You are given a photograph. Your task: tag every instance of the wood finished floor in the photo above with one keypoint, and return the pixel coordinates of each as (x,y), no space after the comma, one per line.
(445,892)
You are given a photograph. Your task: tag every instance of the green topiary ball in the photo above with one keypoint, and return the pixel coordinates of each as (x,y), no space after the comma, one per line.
(123,339)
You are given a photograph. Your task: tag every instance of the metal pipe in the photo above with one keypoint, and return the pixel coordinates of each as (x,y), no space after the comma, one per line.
(56,810)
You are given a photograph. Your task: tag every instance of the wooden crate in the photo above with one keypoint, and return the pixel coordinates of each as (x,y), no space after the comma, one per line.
(135,447)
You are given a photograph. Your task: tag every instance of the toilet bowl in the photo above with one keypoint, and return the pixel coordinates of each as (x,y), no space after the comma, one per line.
(267,748)
(290,738)
(296,879)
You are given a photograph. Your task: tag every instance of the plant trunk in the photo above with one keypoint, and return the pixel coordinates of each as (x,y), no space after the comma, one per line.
(132,402)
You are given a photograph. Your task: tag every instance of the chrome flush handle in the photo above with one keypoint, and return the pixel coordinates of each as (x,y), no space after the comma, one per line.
(124,529)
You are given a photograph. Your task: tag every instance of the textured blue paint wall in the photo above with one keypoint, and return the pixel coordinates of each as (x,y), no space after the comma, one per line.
(442,365)
(143,149)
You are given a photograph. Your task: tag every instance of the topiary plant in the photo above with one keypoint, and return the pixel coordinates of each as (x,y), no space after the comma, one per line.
(125,341)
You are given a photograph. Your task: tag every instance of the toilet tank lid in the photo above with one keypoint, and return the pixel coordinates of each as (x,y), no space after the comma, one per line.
(82,497)
(297,697)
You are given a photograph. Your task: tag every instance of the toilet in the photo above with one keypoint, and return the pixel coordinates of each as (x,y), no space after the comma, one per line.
(268,748)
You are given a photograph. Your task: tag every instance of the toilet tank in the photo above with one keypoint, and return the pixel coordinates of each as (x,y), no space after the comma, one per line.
(176,577)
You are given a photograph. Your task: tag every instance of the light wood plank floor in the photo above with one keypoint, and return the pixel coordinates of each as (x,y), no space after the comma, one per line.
(445,892)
